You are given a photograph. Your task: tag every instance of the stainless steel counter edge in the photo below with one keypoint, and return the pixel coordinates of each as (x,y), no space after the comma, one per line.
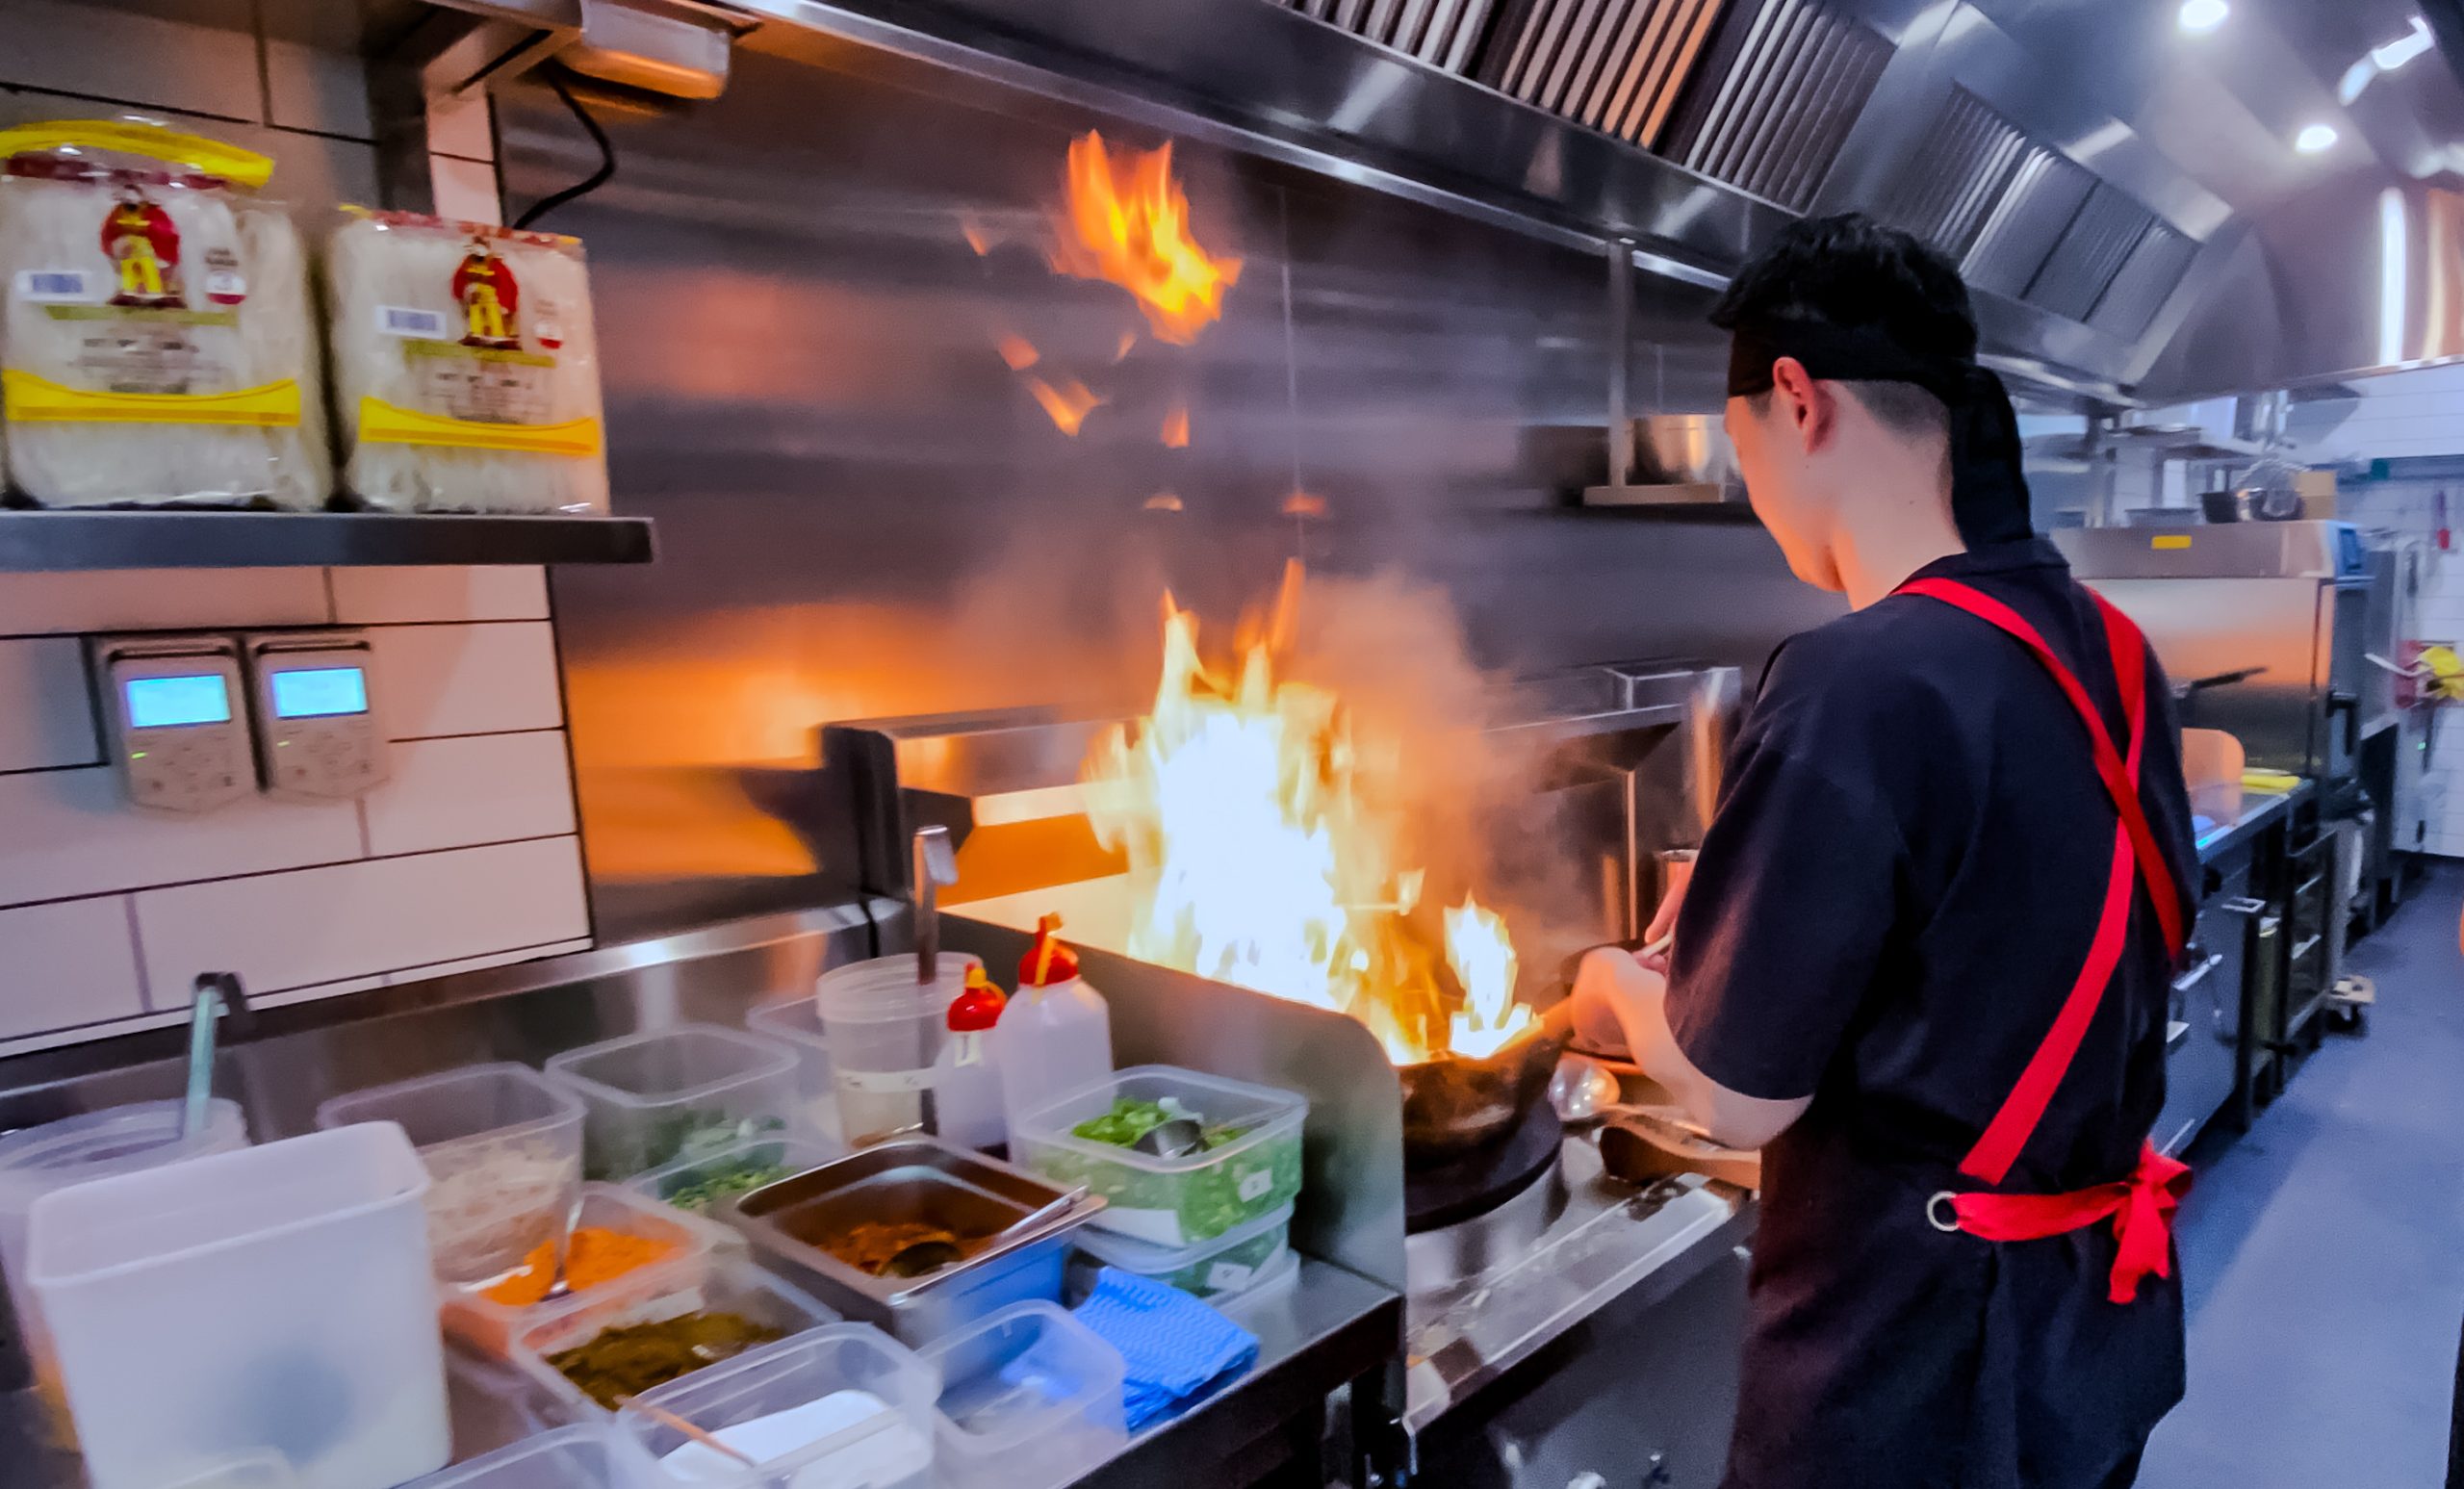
(2260,811)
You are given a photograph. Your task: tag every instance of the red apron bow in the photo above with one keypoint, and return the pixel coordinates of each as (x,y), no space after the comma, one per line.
(2141,1206)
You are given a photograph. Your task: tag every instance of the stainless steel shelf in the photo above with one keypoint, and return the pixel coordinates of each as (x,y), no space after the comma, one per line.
(57,540)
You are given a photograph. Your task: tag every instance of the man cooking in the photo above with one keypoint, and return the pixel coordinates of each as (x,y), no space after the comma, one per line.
(1924,956)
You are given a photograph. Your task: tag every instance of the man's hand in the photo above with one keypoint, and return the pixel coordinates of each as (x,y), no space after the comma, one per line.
(1655,956)
(1620,1004)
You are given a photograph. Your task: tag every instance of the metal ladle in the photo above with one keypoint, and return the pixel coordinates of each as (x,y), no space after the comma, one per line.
(1176,1137)
(923,1258)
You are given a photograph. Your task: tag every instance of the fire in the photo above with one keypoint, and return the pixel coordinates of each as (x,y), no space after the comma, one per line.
(1068,404)
(1263,850)
(1129,226)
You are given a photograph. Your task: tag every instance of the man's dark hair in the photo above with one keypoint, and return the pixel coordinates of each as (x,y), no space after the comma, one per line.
(1851,271)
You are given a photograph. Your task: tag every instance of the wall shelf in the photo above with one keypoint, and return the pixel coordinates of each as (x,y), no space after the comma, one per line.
(66,540)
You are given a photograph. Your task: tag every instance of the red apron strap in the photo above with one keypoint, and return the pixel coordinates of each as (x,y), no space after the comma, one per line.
(2121,783)
(2134,855)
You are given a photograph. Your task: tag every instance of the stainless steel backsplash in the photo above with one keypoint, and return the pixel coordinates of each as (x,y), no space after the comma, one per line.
(864,512)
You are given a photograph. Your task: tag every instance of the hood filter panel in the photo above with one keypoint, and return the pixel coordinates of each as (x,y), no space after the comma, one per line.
(2148,278)
(1616,65)
(1949,184)
(1445,34)
(1774,120)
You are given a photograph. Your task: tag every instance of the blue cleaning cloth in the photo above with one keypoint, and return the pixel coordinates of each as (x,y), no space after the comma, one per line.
(1177,1350)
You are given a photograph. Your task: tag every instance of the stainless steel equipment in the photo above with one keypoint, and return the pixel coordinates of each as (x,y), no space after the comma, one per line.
(2288,604)
(923,1181)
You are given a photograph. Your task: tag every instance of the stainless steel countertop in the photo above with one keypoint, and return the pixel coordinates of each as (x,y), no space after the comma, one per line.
(2259,811)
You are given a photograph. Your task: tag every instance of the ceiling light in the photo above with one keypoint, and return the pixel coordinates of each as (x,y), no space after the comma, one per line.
(2404,48)
(2204,14)
(2315,138)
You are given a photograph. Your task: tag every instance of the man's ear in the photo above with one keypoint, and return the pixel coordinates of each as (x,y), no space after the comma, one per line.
(1808,406)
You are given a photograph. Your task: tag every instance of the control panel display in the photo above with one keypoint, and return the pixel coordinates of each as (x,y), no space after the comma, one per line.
(314,696)
(177,732)
(178,702)
(320,692)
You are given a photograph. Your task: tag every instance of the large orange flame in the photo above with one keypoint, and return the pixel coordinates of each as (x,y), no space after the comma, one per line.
(1129,225)
(1262,852)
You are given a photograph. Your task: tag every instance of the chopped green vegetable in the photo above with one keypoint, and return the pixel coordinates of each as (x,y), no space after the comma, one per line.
(698,1189)
(1194,1201)
(1131,1120)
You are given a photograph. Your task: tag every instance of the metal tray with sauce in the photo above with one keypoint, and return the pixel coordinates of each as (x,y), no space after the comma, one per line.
(922,1180)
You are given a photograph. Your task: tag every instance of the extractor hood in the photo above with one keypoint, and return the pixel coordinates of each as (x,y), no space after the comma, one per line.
(2097,171)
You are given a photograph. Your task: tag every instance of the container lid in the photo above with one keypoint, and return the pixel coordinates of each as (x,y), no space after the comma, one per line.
(494,1101)
(884,987)
(117,1140)
(740,1058)
(1149,1260)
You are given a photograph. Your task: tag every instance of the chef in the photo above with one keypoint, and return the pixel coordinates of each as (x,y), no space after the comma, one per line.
(1924,955)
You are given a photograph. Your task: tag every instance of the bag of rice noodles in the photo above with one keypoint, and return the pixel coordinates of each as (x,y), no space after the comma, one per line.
(157,345)
(466,372)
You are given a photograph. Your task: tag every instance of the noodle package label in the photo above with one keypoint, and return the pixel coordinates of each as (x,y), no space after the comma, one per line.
(464,367)
(156,337)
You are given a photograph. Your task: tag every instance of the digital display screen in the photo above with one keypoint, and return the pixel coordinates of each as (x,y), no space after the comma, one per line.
(169,703)
(320,692)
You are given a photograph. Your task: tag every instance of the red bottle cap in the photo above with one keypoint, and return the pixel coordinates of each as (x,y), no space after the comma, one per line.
(1048,961)
(978,1006)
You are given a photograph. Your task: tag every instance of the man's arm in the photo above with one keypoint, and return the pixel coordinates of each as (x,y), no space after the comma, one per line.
(1637,999)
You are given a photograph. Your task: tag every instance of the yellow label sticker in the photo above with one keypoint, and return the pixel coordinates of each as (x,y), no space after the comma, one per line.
(30,400)
(386,423)
(2164,540)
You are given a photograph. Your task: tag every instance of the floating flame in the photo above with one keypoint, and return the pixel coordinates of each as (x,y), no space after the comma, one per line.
(1129,226)
(1176,428)
(1017,350)
(1264,850)
(1068,404)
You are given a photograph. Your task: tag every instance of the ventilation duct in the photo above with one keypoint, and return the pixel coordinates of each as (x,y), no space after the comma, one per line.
(2154,269)
(1956,175)
(1445,34)
(1617,66)
(2089,252)
(1786,80)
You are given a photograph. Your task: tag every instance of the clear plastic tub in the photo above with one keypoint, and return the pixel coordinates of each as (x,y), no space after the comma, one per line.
(576,1457)
(277,1299)
(652,1098)
(885,1031)
(698,1185)
(96,1146)
(796,1024)
(1031,1399)
(888,1445)
(489,1325)
(1250,1168)
(504,1152)
(495,1403)
(1225,1267)
(718,1284)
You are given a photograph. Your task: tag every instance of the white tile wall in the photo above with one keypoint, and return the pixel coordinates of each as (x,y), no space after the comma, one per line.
(468,854)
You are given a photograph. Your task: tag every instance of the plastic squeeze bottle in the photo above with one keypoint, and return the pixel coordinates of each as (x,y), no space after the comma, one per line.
(967,1077)
(1056,1036)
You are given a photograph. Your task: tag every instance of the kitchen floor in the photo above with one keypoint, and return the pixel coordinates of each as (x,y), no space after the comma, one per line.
(2323,1251)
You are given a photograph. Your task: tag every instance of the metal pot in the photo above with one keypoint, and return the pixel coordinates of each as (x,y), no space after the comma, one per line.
(1453,1107)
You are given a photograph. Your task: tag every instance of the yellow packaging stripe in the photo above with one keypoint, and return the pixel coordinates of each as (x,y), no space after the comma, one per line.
(386,423)
(134,136)
(32,400)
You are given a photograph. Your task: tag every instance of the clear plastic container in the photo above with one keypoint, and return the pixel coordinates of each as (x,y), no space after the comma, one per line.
(277,1298)
(867,1416)
(577,1457)
(652,1098)
(1031,1399)
(504,1152)
(96,1146)
(1225,1267)
(886,1033)
(719,1284)
(489,1325)
(495,1403)
(700,1183)
(1050,1041)
(796,1024)
(1249,1170)
(248,1471)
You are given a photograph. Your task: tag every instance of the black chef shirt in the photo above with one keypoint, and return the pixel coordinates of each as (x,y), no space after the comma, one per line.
(1892,902)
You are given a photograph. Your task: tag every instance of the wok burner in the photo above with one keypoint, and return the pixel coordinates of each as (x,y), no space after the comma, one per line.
(1481,1211)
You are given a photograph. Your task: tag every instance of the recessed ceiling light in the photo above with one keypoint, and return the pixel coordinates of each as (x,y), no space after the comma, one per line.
(2204,14)
(2315,138)
(2404,48)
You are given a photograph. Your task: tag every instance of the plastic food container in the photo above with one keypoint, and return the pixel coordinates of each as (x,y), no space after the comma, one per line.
(1031,1399)
(117,1140)
(503,1154)
(274,1298)
(888,1445)
(1225,1267)
(652,1098)
(701,1184)
(490,1325)
(719,1284)
(796,1024)
(1250,1171)
(885,1033)
(574,1458)
(495,1403)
